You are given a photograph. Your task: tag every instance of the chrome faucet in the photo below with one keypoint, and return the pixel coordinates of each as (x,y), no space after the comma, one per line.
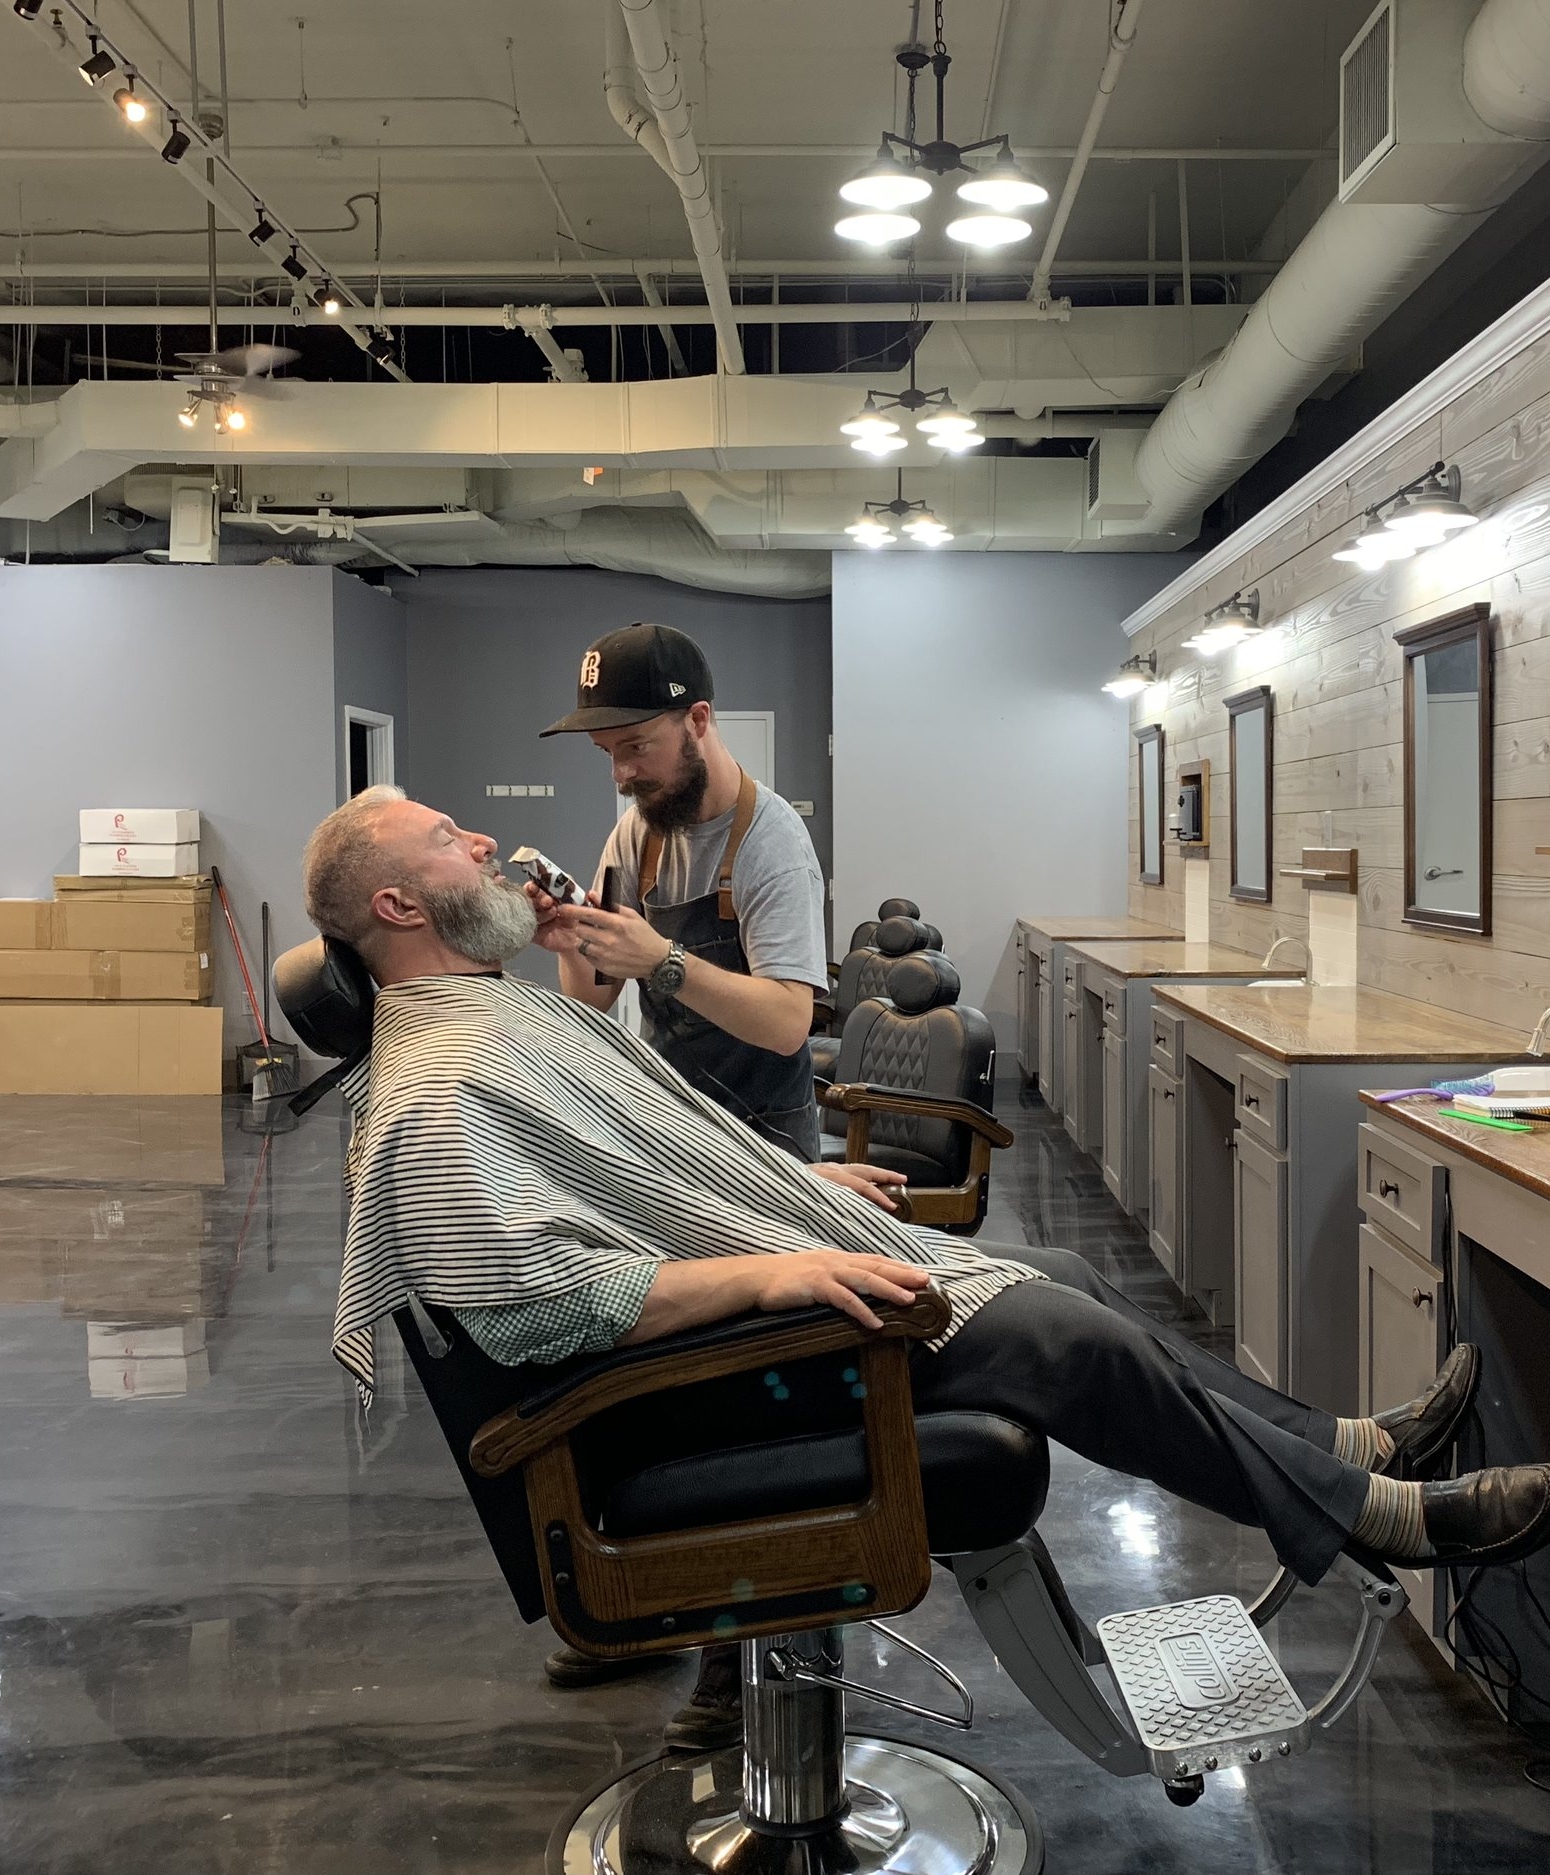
(1536,1042)
(1290,938)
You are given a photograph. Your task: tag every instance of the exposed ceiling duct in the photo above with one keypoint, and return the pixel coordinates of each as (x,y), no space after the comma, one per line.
(1360,258)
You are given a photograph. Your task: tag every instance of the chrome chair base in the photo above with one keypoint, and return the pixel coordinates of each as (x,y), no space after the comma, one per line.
(910,1810)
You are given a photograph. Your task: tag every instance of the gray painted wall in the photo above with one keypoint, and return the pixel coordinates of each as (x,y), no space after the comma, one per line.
(178,686)
(493,657)
(371,666)
(978,768)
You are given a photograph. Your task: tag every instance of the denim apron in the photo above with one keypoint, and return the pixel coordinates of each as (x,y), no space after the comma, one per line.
(772,1093)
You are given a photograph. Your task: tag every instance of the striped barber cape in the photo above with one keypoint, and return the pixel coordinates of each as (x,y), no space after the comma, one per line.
(512,1146)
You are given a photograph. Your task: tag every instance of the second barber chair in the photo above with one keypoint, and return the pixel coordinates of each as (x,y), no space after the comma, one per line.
(863,973)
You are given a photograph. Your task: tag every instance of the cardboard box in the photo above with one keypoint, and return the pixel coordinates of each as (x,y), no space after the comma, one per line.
(131,860)
(109,1048)
(181,890)
(105,976)
(27,924)
(87,1214)
(162,826)
(128,921)
(144,1341)
(170,1141)
(148,1379)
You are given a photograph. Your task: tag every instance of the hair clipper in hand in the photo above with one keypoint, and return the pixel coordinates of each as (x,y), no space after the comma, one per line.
(548,877)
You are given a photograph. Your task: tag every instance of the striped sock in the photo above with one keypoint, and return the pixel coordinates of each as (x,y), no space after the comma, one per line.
(1392,1520)
(1362,1442)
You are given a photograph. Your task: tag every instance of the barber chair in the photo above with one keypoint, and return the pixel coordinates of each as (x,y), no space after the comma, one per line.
(914,1082)
(865,933)
(864,973)
(783,1544)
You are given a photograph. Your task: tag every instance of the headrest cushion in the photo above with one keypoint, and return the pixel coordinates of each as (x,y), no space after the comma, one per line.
(327,994)
(933,938)
(924,980)
(896,937)
(898,908)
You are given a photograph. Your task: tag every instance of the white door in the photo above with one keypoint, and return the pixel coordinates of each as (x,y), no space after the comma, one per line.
(750,735)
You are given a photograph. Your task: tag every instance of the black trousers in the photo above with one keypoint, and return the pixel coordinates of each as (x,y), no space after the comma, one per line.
(1075,1360)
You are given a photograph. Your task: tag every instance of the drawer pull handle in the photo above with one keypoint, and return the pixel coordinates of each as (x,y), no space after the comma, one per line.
(1387,1188)
(1251,1100)
(1159,1041)
(1421,1298)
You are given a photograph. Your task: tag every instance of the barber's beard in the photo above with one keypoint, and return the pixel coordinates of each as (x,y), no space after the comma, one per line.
(667,806)
(486,923)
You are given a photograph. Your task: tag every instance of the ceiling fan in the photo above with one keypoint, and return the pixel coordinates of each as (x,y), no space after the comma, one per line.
(222,378)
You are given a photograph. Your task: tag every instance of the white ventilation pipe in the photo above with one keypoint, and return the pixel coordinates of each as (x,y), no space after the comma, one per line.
(670,140)
(1122,36)
(1352,269)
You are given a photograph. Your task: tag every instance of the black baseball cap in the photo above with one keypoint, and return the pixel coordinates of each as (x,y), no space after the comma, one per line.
(635,674)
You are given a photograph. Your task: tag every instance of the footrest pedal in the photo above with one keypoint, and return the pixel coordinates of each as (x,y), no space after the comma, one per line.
(1202,1688)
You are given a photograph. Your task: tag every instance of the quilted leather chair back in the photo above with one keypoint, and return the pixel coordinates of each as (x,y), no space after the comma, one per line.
(865,972)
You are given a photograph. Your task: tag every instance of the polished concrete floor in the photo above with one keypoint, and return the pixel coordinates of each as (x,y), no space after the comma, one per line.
(245,1632)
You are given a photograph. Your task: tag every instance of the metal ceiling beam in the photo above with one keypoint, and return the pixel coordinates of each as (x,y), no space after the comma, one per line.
(533,319)
(401,270)
(559,152)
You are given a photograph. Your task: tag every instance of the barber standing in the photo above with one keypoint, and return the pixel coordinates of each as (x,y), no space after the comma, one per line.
(720,916)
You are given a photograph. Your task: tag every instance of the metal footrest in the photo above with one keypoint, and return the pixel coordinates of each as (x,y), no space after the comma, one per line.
(1202,1688)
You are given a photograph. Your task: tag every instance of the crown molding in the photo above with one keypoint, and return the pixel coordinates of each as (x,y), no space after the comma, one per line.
(1517,328)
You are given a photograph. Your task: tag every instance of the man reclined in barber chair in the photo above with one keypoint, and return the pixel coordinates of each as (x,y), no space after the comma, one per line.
(550,1185)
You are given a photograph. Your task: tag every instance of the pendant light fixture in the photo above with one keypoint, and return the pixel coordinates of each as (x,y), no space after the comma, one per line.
(873,527)
(899,177)
(938,420)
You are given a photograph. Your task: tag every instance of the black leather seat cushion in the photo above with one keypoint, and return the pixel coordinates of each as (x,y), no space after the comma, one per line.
(984,1480)
(914,1165)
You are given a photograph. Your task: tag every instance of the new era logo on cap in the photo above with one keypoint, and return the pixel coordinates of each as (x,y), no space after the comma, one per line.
(633,675)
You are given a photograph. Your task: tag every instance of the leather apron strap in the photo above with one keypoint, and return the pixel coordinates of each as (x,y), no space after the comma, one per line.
(742,820)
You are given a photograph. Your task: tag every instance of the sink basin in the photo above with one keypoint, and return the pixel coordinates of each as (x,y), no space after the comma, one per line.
(1277,983)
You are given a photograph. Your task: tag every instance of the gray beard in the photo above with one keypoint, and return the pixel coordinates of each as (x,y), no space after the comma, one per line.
(486,924)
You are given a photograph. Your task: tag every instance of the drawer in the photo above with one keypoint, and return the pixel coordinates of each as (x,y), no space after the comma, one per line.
(1401,1191)
(1261,1101)
(1073,975)
(1110,991)
(1167,1041)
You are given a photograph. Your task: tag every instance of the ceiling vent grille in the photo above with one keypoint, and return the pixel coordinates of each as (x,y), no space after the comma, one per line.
(1367,126)
(1092,473)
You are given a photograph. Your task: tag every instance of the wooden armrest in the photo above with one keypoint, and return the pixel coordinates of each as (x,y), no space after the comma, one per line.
(866,1097)
(512,1437)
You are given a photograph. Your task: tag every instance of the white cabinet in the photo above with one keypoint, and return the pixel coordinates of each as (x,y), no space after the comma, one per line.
(1029,1004)
(1050,1040)
(1162,1129)
(1071,1085)
(1259,1229)
(1114,1154)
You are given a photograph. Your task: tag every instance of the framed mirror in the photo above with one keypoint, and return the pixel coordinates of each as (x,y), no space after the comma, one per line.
(1149,756)
(1448,771)
(1249,763)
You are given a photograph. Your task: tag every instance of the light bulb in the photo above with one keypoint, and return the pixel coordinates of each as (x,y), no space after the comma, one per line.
(876,229)
(886,183)
(188,416)
(878,445)
(946,419)
(870,532)
(987,230)
(869,421)
(236,420)
(135,110)
(1002,187)
(1126,685)
(958,440)
(923,523)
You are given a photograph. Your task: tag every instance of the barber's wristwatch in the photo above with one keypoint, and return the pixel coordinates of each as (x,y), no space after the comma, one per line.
(668,977)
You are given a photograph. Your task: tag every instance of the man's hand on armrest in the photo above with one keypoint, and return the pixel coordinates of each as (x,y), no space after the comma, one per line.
(873,1182)
(686,1294)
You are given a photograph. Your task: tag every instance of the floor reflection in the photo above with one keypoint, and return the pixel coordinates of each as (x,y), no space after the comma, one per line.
(243,1628)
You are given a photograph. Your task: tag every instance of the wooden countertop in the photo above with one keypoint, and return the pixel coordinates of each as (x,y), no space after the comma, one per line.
(1317,1022)
(1063,930)
(1524,1158)
(1165,957)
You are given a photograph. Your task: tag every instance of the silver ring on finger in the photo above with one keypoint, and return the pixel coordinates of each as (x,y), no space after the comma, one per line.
(582,947)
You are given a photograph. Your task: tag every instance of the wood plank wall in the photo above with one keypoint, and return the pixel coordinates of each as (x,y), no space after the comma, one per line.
(1336,677)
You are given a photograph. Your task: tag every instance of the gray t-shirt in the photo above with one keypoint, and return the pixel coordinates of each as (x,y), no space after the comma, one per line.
(777,888)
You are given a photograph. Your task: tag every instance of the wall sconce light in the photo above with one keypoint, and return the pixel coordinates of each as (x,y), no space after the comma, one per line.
(1134,676)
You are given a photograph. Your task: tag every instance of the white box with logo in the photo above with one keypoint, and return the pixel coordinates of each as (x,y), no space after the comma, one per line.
(160,826)
(138,860)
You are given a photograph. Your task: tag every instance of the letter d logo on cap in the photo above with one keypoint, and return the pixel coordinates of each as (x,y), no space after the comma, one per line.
(591,669)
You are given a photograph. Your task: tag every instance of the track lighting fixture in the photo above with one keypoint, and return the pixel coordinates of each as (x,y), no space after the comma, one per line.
(327,301)
(900,175)
(177,145)
(1421,514)
(1134,676)
(135,109)
(380,347)
(294,265)
(27,9)
(95,68)
(263,230)
(188,416)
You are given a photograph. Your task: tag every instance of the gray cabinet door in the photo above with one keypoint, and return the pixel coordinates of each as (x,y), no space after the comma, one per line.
(1113,1154)
(1049,1041)
(1259,1231)
(1028,1012)
(1162,1132)
(1397,1312)
(1024,1060)
(1071,1084)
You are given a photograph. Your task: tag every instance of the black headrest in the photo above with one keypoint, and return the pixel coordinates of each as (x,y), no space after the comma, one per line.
(933,938)
(896,937)
(898,908)
(327,995)
(924,980)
